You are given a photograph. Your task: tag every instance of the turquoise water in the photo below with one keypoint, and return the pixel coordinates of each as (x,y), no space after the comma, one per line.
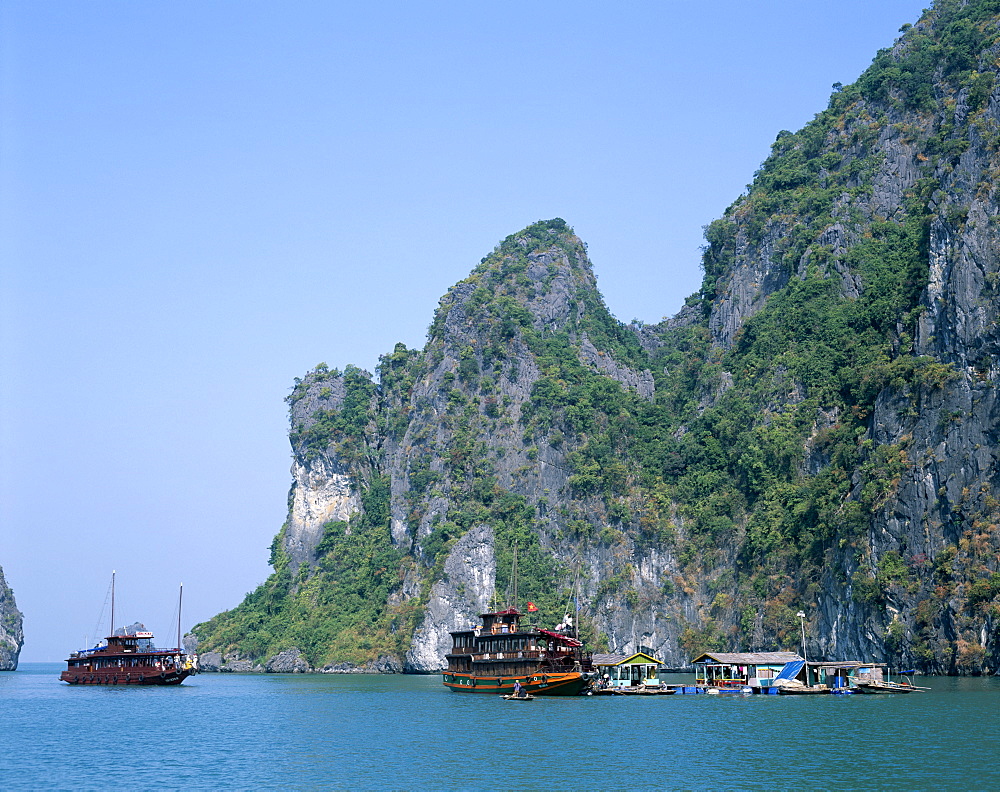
(221,731)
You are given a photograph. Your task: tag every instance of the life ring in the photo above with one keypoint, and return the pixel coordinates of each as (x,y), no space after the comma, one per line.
(142,677)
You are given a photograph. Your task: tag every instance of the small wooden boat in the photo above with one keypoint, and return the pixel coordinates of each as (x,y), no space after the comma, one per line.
(802,690)
(876,687)
(523,697)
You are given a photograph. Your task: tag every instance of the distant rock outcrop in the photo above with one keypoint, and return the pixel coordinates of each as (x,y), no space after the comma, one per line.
(230,663)
(290,661)
(11,632)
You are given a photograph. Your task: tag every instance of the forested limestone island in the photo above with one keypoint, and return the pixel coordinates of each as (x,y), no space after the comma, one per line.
(816,430)
(11,634)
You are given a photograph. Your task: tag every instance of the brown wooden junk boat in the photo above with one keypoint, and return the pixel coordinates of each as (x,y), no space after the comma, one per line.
(500,653)
(129,658)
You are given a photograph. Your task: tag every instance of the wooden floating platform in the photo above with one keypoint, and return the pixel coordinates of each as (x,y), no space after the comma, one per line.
(635,691)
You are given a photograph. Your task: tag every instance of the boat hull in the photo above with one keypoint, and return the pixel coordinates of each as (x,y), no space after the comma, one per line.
(569,683)
(157,678)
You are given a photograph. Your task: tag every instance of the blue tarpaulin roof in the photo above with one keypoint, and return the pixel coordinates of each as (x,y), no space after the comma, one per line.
(791,670)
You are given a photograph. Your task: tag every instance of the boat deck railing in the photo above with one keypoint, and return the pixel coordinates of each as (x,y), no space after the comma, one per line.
(568,658)
(100,650)
(528,655)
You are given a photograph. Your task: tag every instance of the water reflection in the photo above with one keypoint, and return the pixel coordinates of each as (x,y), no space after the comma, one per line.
(409,732)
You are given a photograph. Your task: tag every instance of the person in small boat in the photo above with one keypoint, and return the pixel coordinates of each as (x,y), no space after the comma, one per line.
(517,688)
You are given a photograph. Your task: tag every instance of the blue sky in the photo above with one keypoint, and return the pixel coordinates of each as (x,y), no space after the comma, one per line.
(199,201)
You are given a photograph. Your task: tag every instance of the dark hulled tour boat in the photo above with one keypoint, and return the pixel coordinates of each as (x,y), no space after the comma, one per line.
(128,657)
(500,653)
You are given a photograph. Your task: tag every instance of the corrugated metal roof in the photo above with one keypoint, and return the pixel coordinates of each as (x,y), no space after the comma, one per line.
(609,659)
(747,658)
(618,659)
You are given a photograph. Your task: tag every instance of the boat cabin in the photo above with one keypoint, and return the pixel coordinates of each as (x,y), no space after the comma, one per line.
(505,621)
(622,671)
(140,641)
(758,670)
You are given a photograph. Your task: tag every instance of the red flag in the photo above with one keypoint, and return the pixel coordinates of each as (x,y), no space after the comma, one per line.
(532,607)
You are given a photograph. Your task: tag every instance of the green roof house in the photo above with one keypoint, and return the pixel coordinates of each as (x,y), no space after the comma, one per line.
(627,671)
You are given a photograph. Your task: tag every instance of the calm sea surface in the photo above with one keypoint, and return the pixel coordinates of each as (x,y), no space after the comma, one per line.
(221,731)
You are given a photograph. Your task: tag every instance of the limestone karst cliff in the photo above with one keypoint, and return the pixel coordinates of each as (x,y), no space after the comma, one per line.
(11,634)
(816,430)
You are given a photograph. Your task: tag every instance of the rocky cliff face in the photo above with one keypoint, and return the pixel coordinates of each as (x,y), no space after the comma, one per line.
(913,144)
(11,634)
(462,428)
(816,430)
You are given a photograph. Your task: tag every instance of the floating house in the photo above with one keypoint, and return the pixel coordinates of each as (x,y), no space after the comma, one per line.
(627,671)
(843,674)
(766,672)
(733,671)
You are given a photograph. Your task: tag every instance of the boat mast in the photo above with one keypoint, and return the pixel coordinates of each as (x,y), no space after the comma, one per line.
(112,603)
(180,601)
(576,606)
(514,579)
